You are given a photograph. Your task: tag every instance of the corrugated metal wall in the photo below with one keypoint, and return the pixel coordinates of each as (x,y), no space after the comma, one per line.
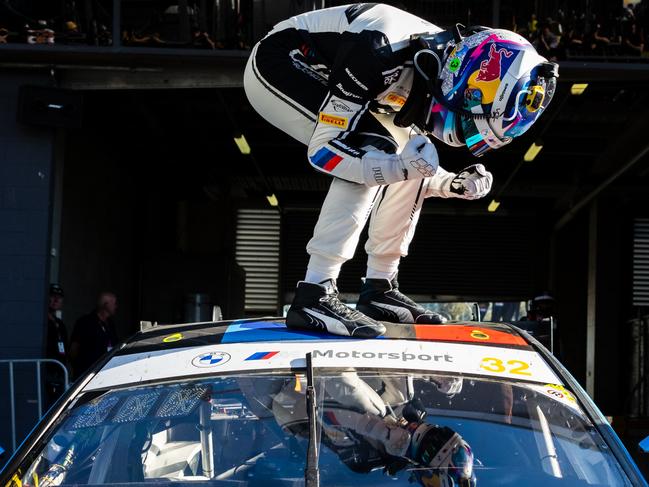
(451,255)
(257,251)
(641,262)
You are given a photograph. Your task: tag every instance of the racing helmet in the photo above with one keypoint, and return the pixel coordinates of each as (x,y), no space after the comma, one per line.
(478,87)
(447,459)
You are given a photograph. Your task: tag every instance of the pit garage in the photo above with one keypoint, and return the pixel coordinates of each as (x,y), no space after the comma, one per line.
(157,181)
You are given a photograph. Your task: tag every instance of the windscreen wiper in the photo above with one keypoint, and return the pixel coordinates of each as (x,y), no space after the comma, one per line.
(311,472)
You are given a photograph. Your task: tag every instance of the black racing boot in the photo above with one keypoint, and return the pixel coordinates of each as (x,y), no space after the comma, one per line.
(381,299)
(316,307)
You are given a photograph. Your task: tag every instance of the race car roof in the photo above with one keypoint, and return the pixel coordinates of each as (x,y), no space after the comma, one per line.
(207,349)
(264,330)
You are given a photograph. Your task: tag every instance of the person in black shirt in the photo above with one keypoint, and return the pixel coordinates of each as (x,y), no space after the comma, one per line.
(94,334)
(57,335)
(632,40)
(56,346)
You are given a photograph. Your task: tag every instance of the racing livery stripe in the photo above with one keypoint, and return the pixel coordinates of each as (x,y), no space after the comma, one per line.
(326,159)
(260,331)
(463,333)
(247,331)
(262,355)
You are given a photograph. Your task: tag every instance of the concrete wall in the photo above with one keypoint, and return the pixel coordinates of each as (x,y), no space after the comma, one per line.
(26,155)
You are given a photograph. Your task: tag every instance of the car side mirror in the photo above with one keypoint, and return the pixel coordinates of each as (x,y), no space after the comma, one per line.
(644,445)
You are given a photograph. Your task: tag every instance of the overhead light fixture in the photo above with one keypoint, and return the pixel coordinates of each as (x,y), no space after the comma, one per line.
(242,144)
(578,88)
(533,151)
(272,200)
(493,206)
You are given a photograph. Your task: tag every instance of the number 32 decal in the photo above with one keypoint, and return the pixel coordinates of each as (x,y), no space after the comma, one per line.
(511,366)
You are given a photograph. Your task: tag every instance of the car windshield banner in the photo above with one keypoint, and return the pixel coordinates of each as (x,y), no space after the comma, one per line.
(503,362)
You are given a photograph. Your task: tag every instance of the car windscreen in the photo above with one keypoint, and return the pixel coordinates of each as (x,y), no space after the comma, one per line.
(374,427)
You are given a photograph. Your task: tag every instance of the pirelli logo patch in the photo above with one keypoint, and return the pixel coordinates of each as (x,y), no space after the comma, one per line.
(335,120)
(395,99)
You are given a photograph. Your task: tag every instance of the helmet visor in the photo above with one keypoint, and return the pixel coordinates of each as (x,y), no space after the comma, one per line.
(478,133)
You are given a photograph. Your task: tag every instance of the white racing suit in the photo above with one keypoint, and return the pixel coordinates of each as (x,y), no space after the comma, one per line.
(333,80)
(365,421)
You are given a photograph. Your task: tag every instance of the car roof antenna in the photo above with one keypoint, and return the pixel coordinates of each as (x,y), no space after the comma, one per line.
(311,472)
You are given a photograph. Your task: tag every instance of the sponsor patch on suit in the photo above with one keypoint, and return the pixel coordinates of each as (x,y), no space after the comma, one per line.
(335,120)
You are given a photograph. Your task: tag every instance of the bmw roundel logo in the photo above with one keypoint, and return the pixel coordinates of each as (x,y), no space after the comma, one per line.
(210,359)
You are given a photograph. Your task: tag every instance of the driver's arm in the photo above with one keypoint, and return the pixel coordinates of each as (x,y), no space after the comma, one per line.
(343,146)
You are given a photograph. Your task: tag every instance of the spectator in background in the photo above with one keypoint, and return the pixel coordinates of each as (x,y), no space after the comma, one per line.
(532,28)
(633,40)
(608,32)
(515,27)
(94,334)
(600,40)
(548,44)
(56,346)
(574,38)
(625,19)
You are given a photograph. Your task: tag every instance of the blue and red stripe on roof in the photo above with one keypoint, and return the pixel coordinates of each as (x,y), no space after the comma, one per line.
(247,331)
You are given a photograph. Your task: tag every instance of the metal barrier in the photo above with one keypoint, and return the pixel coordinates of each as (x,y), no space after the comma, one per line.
(39,388)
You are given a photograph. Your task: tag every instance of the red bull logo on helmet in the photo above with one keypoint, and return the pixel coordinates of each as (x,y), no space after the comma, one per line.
(487,77)
(490,68)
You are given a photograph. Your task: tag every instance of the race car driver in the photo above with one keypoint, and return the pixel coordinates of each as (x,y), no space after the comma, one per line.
(369,428)
(363,86)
